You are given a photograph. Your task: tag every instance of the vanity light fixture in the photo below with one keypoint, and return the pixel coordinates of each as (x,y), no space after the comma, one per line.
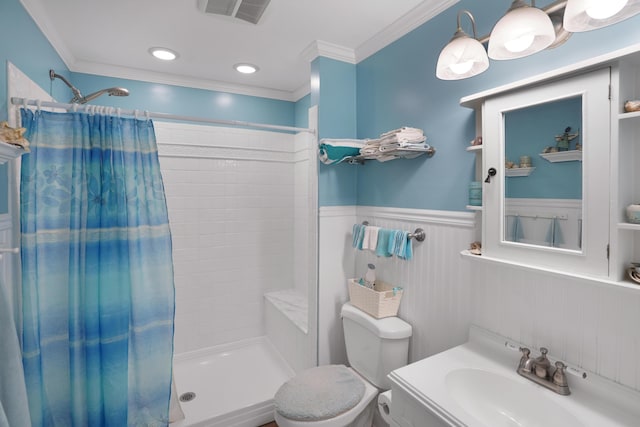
(163,53)
(522,31)
(246,68)
(525,30)
(586,15)
(463,56)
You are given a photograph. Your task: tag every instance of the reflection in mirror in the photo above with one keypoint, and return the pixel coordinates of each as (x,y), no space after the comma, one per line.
(543,174)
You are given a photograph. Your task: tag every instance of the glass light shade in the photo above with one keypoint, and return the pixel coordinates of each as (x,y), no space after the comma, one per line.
(585,15)
(522,31)
(462,57)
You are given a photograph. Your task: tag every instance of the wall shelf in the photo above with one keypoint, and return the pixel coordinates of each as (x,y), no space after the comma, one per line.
(398,153)
(563,156)
(515,172)
(474,148)
(632,115)
(602,281)
(9,152)
(628,226)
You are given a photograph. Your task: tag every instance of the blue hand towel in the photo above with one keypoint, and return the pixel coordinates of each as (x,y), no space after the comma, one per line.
(401,250)
(393,240)
(408,249)
(554,235)
(517,229)
(384,237)
(358,236)
(330,154)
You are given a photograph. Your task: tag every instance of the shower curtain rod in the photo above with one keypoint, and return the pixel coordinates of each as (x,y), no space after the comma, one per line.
(166,116)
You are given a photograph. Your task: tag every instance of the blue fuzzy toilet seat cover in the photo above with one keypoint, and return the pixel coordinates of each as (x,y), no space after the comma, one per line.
(319,393)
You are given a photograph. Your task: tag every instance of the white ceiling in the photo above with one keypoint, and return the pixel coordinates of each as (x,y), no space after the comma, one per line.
(112,38)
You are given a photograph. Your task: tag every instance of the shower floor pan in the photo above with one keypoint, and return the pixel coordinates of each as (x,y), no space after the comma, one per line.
(233,384)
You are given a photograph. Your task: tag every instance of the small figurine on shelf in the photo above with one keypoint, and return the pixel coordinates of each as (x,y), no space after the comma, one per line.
(13,136)
(476,141)
(564,139)
(475,248)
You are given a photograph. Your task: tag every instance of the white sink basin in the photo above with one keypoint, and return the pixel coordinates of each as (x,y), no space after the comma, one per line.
(499,401)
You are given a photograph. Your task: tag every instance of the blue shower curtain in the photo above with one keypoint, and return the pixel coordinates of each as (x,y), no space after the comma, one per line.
(98,294)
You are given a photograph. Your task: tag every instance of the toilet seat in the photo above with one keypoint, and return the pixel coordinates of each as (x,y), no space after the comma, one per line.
(341,420)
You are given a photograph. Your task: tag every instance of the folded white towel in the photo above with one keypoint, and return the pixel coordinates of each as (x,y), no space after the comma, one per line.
(404,129)
(369,151)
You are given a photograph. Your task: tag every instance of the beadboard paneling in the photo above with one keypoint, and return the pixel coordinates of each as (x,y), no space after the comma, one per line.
(437,289)
(589,324)
(437,296)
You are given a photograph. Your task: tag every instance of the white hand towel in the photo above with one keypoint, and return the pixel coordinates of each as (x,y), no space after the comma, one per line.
(370,238)
(373,238)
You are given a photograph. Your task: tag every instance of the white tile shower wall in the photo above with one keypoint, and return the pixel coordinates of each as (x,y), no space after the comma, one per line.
(230,194)
(586,323)
(302,205)
(437,290)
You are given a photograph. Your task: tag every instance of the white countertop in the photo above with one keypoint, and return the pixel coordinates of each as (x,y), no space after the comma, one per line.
(594,401)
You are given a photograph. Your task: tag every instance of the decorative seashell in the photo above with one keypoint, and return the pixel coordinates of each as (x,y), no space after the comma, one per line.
(630,106)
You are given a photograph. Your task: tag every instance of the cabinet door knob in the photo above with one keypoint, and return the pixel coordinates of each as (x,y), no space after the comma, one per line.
(492,172)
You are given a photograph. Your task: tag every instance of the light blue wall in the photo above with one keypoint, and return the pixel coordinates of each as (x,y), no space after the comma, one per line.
(22,43)
(302,111)
(186,101)
(527,132)
(397,87)
(333,90)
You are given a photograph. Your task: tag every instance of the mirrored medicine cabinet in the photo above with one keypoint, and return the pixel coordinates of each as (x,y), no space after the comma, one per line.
(548,204)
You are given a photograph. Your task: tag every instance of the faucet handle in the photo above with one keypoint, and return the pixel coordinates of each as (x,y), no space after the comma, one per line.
(542,364)
(559,377)
(525,360)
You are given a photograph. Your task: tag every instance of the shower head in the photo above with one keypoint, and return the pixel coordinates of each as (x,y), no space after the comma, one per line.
(112,91)
(77,96)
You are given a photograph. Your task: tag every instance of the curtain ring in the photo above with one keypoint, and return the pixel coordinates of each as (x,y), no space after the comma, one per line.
(75,107)
(39,104)
(135,114)
(118,110)
(147,115)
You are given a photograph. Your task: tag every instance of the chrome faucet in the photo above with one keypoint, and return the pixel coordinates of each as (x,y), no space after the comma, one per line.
(539,371)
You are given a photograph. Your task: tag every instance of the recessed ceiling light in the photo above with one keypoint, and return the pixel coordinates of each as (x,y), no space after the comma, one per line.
(246,68)
(163,53)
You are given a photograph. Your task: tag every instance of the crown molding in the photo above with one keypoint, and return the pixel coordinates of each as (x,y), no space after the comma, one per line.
(302,91)
(38,15)
(328,50)
(402,26)
(408,22)
(177,80)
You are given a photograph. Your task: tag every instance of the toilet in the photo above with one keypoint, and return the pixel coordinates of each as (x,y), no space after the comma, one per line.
(338,396)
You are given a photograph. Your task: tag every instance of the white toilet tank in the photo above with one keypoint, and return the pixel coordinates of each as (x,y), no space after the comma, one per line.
(375,347)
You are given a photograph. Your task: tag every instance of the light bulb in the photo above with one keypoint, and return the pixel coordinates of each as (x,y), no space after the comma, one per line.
(605,9)
(520,43)
(461,67)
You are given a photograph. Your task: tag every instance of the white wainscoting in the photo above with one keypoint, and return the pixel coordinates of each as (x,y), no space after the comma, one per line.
(586,323)
(437,288)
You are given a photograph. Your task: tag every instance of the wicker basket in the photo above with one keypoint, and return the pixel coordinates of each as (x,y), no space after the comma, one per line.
(381,301)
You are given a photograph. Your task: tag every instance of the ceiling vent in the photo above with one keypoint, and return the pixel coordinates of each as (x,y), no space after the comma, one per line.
(247,10)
